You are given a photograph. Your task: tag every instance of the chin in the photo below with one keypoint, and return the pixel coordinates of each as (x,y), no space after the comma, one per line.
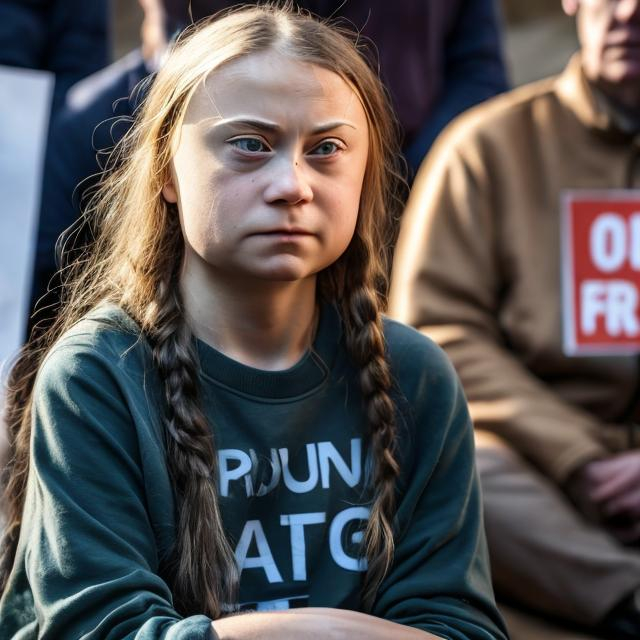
(625,67)
(283,272)
(281,276)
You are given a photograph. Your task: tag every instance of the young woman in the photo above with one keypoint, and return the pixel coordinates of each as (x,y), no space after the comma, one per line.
(221,419)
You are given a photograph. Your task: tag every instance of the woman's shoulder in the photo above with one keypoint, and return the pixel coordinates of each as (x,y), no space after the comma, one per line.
(414,356)
(106,323)
(433,418)
(105,339)
(428,392)
(98,378)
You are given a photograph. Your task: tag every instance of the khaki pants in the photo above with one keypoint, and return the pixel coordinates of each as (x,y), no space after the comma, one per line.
(544,554)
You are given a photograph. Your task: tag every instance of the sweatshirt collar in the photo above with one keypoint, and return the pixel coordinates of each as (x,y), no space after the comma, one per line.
(310,372)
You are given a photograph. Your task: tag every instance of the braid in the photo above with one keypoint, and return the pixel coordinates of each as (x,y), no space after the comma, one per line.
(366,346)
(201,567)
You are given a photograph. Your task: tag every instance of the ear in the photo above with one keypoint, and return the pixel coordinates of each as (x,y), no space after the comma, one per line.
(169,191)
(570,7)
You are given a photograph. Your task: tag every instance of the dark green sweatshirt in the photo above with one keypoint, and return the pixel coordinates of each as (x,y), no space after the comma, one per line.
(100,511)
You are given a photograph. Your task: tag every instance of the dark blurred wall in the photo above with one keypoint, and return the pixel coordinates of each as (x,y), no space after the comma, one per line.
(127,17)
(539,38)
(521,10)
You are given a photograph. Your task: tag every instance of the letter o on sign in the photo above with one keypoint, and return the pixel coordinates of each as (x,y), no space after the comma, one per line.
(608,242)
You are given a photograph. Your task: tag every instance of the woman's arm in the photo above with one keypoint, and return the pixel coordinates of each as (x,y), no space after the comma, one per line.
(90,553)
(439,580)
(314,623)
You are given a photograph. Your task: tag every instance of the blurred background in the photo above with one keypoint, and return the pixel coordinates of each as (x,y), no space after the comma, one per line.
(539,37)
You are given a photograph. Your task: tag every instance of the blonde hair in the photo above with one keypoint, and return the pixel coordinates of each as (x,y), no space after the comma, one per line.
(134,262)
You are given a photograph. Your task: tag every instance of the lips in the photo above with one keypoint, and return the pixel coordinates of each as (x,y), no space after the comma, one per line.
(282,231)
(624,38)
(627,44)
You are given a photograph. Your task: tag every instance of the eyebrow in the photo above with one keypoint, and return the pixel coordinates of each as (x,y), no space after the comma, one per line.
(272,127)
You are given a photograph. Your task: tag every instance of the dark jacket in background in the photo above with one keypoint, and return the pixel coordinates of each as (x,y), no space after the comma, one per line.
(67,37)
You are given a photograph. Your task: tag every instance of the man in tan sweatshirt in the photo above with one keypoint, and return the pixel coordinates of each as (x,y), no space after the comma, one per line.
(478,268)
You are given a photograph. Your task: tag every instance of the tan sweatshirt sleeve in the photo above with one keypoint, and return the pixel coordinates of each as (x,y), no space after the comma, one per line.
(447,280)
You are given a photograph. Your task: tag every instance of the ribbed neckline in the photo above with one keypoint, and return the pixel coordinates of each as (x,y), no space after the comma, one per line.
(305,376)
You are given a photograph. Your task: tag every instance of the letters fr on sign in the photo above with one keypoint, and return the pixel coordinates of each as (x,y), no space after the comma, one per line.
(601,272)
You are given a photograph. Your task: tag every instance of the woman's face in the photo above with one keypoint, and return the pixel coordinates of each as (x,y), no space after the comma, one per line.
(268,169)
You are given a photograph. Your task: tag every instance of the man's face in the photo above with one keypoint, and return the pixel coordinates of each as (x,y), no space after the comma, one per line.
(609,33)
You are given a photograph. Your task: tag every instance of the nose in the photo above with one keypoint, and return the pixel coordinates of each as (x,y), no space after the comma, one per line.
(288,183)
(627,10)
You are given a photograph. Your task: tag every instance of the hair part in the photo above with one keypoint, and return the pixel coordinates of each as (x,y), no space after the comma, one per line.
(134,262)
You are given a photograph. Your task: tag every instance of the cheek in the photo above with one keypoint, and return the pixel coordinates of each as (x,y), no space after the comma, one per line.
(196,174)
(350,197)
(201,224)
(200,201)
(345,206)
(213,215)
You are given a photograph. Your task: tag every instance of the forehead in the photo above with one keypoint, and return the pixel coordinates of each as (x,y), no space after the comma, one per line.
(274,86)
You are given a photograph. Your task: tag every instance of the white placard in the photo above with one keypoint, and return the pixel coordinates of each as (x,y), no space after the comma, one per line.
(25,103)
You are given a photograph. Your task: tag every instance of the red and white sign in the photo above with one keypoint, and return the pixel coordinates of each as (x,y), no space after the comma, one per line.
(601,272)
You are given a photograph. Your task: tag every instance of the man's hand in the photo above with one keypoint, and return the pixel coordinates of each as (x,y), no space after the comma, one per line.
(611,489)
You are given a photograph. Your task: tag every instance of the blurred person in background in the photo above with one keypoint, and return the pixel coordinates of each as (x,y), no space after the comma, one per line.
(478,268)
(70,40)
(68,37)
(436,61)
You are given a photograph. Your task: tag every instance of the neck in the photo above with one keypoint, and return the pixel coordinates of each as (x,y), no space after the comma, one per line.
(263,324)
(625,97)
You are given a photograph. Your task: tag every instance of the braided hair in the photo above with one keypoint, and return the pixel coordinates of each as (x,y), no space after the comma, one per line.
(193,468)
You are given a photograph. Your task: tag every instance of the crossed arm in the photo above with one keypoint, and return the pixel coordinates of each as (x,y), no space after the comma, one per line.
(313,623)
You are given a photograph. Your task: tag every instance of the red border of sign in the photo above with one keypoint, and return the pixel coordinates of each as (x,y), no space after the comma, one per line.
(569,344)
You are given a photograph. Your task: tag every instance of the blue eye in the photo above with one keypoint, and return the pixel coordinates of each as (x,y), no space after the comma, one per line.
(250,145)
(326,148)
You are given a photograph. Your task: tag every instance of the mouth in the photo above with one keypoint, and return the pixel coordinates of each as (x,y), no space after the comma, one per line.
(624,38)
(625,44)
(284,232)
